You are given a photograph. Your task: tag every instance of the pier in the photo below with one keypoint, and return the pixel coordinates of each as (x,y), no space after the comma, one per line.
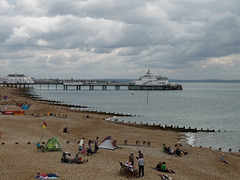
(93,86)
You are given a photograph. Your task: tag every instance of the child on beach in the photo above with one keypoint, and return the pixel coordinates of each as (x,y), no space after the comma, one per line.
(83,150)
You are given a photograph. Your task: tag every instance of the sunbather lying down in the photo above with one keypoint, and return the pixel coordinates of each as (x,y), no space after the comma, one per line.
(46,176)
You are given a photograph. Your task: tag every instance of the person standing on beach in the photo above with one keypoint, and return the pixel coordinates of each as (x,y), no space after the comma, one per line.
(96,145)
(81,144)
(140,154)
(89,149)
(131,158)
(141,164)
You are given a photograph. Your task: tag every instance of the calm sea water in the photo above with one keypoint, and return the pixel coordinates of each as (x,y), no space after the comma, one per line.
(201,105)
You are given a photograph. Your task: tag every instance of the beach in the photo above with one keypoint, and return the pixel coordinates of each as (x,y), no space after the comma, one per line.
(21,160)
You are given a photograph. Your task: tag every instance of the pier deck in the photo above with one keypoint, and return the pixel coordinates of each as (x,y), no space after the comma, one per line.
(91,86)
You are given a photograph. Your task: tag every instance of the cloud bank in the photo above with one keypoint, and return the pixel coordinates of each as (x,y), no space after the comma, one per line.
(87,39)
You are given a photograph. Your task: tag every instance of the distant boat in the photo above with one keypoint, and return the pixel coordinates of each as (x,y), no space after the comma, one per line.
(149,79)
(150,82)
(132,94)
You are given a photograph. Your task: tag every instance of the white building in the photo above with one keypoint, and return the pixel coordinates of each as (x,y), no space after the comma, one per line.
(16,78)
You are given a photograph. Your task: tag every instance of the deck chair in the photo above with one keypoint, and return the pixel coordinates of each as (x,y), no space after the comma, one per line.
(122,170)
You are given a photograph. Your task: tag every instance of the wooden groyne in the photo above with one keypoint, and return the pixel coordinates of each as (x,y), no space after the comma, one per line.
(165,127)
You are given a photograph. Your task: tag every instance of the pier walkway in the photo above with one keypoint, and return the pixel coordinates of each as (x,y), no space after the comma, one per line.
(92,85)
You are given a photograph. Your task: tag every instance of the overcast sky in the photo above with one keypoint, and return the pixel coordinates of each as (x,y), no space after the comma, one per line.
(87,39)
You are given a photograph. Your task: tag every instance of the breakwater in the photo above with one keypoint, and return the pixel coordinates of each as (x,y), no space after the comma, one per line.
(161,127)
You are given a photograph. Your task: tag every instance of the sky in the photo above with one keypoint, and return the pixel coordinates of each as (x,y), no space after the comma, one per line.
(96,39)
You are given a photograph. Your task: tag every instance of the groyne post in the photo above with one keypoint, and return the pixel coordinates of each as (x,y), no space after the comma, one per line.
(148,144)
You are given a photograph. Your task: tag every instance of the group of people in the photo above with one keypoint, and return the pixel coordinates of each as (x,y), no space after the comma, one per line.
(4,97)
(161,166)
(23,106)
(177,151)
(66,158)
(89,150)
(140,160)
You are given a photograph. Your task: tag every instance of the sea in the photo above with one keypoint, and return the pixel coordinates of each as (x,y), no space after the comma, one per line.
(198,105)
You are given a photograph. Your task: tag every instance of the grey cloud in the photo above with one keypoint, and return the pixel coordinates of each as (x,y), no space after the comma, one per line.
(172,36)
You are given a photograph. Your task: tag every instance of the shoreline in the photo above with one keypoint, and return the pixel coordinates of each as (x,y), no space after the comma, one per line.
(199,163)
(113,119)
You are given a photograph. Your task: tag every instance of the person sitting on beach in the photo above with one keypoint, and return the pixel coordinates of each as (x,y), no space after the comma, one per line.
(164,147)
(223,160)
(179,152)
(165,169)
(65,130)
(128,167)
(170,151)
(68,158)
(158,167)
(65,157)
(77,160)
(40,146)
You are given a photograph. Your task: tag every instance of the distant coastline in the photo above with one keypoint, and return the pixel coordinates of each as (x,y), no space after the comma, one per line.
(206,81)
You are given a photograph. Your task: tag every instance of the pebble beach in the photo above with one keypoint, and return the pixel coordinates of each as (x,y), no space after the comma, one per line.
(21,160)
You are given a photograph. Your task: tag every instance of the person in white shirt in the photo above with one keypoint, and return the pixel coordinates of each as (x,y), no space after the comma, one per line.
(81,144)
(141,163)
